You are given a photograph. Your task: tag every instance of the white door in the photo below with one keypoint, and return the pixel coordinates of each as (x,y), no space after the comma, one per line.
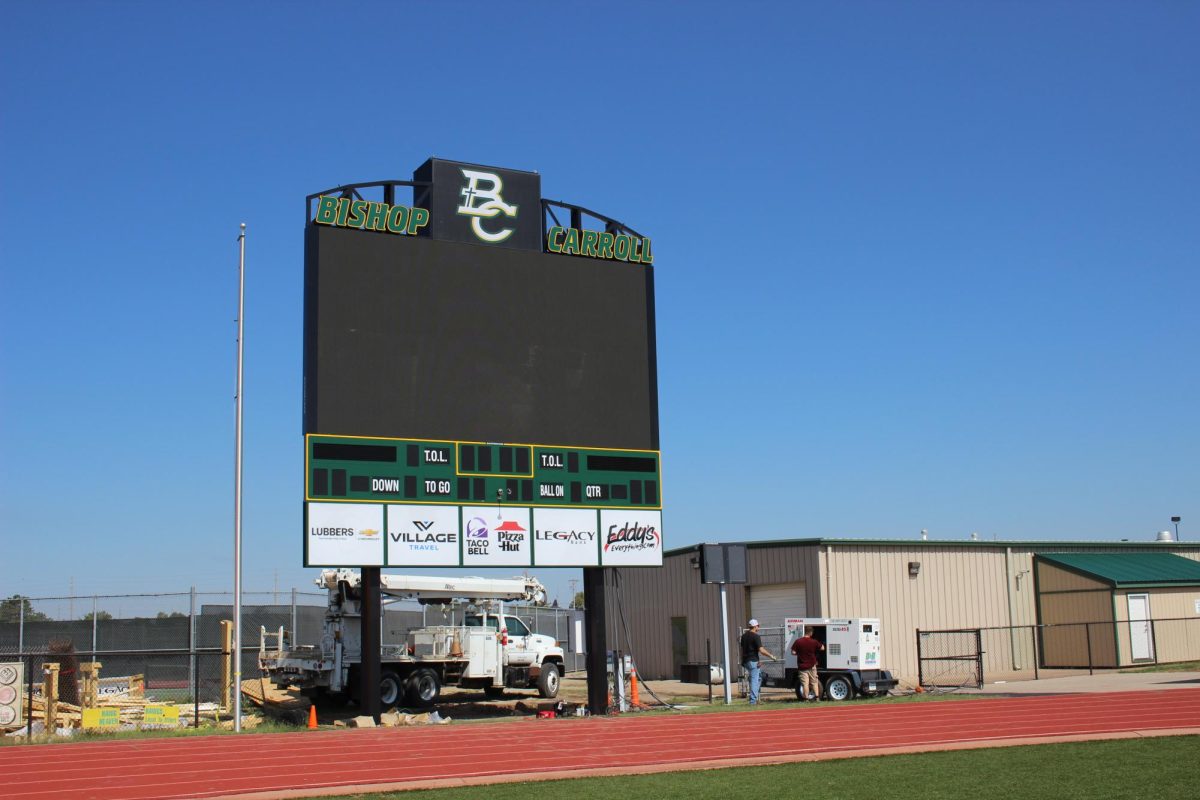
(1139,627)
(772,603)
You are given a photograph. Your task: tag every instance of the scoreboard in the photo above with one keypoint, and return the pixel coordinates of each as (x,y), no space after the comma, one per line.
(446,344)
(471,473)
(423,502)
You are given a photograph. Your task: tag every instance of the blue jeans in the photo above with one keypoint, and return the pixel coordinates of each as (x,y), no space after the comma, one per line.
(753,679)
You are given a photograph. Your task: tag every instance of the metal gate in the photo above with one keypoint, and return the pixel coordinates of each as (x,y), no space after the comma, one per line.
(950,658)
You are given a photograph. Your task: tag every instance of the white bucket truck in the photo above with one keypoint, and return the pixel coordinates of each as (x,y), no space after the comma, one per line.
(491,650)
(850,663)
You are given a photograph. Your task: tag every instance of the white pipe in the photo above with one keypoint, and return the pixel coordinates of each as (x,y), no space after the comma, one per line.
(237,493)
(725,644)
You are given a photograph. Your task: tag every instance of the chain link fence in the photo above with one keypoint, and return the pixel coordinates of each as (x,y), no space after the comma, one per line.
(175,645)
(970,657)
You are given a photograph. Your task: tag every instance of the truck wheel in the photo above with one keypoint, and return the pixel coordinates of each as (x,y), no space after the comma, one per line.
(838,688)
(423,688)
(389,689)
(548,680)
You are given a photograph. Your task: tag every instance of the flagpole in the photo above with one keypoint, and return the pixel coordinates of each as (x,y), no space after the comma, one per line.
(237,494)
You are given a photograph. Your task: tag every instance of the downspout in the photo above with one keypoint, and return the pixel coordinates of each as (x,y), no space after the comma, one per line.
(827,606)
(1008,586)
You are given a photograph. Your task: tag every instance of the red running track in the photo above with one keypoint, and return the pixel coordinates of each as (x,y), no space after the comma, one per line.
(307,764)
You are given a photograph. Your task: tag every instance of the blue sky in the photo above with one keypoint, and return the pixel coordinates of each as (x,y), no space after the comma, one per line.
(919,265)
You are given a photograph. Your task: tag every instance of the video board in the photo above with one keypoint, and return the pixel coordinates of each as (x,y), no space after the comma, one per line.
(471,370)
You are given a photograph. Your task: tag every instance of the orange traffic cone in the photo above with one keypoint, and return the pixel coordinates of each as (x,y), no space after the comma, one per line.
(312,717)
(633,690)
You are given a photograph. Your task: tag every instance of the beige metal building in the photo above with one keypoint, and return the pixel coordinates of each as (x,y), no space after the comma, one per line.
(1141,604)
(665,616)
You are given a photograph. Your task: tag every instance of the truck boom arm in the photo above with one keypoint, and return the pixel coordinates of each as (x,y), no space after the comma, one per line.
(432,589)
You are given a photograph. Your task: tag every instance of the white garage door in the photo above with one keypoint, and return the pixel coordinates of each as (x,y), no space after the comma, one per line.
(772,603)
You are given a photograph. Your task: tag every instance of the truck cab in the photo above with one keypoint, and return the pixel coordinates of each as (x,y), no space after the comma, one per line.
(526,654)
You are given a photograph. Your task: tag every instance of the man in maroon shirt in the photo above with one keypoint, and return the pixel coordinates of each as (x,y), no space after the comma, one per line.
(805,649)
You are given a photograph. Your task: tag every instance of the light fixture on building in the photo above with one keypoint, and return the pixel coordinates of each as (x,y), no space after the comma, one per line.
(695,562)
(914,569)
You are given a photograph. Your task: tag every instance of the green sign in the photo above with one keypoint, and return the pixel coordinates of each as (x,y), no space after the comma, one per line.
(599,244)
(343,212)
(419,471)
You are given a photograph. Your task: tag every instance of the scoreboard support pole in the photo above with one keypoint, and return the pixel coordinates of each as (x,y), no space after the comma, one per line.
(370,671)
(597,649)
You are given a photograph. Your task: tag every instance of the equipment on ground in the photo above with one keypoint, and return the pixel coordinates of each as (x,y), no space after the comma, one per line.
(491,650)
(848,667)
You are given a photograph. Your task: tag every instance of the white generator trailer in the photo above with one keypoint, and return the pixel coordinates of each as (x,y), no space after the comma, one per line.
(849,665)
(491,650)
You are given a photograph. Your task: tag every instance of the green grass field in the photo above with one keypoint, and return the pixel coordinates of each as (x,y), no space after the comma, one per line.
(1163,768)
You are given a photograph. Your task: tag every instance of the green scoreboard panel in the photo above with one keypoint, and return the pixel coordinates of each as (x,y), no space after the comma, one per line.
(428,472)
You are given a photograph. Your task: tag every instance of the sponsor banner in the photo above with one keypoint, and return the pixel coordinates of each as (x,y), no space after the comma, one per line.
(344,535)
(101,718)
(565,537)
(630,538)
(422,536)
(496,537)
(161,715)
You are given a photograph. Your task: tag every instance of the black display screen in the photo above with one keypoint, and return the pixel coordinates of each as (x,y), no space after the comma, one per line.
(415,338)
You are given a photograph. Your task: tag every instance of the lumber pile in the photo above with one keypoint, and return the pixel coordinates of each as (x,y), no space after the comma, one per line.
(276,702)
(130,711)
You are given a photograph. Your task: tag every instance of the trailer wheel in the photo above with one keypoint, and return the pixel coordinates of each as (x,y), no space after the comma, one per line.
(390,689)
(548,680)
(423,688)
(838,688)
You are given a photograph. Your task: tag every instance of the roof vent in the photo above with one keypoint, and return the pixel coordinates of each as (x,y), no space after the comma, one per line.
(1166,536)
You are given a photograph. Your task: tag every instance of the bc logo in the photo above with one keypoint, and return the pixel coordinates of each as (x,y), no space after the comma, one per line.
(485,187)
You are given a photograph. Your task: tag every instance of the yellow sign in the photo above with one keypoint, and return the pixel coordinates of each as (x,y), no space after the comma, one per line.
(161,715)
(101,717)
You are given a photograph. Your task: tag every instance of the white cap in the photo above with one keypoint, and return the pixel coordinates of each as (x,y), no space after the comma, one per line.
(753,624)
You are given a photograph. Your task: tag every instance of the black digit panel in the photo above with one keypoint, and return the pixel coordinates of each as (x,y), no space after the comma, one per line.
(320,481)
(522,460)
(506,460)
(485,458)
(467,457)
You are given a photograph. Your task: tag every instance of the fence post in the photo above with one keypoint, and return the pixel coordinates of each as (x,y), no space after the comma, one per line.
(94,621)
(193,679)
(1033,632)
(195,691)
(920,674)
(50,692)
(293,619)
(1153,642)
(29,699)
(21,626)
(226,663)
(979,655)
(1087,628)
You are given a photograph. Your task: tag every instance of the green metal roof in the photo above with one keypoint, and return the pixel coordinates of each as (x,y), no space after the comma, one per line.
(1121,570)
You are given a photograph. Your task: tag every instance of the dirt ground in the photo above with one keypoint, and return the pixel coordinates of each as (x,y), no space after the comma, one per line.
(473,704)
